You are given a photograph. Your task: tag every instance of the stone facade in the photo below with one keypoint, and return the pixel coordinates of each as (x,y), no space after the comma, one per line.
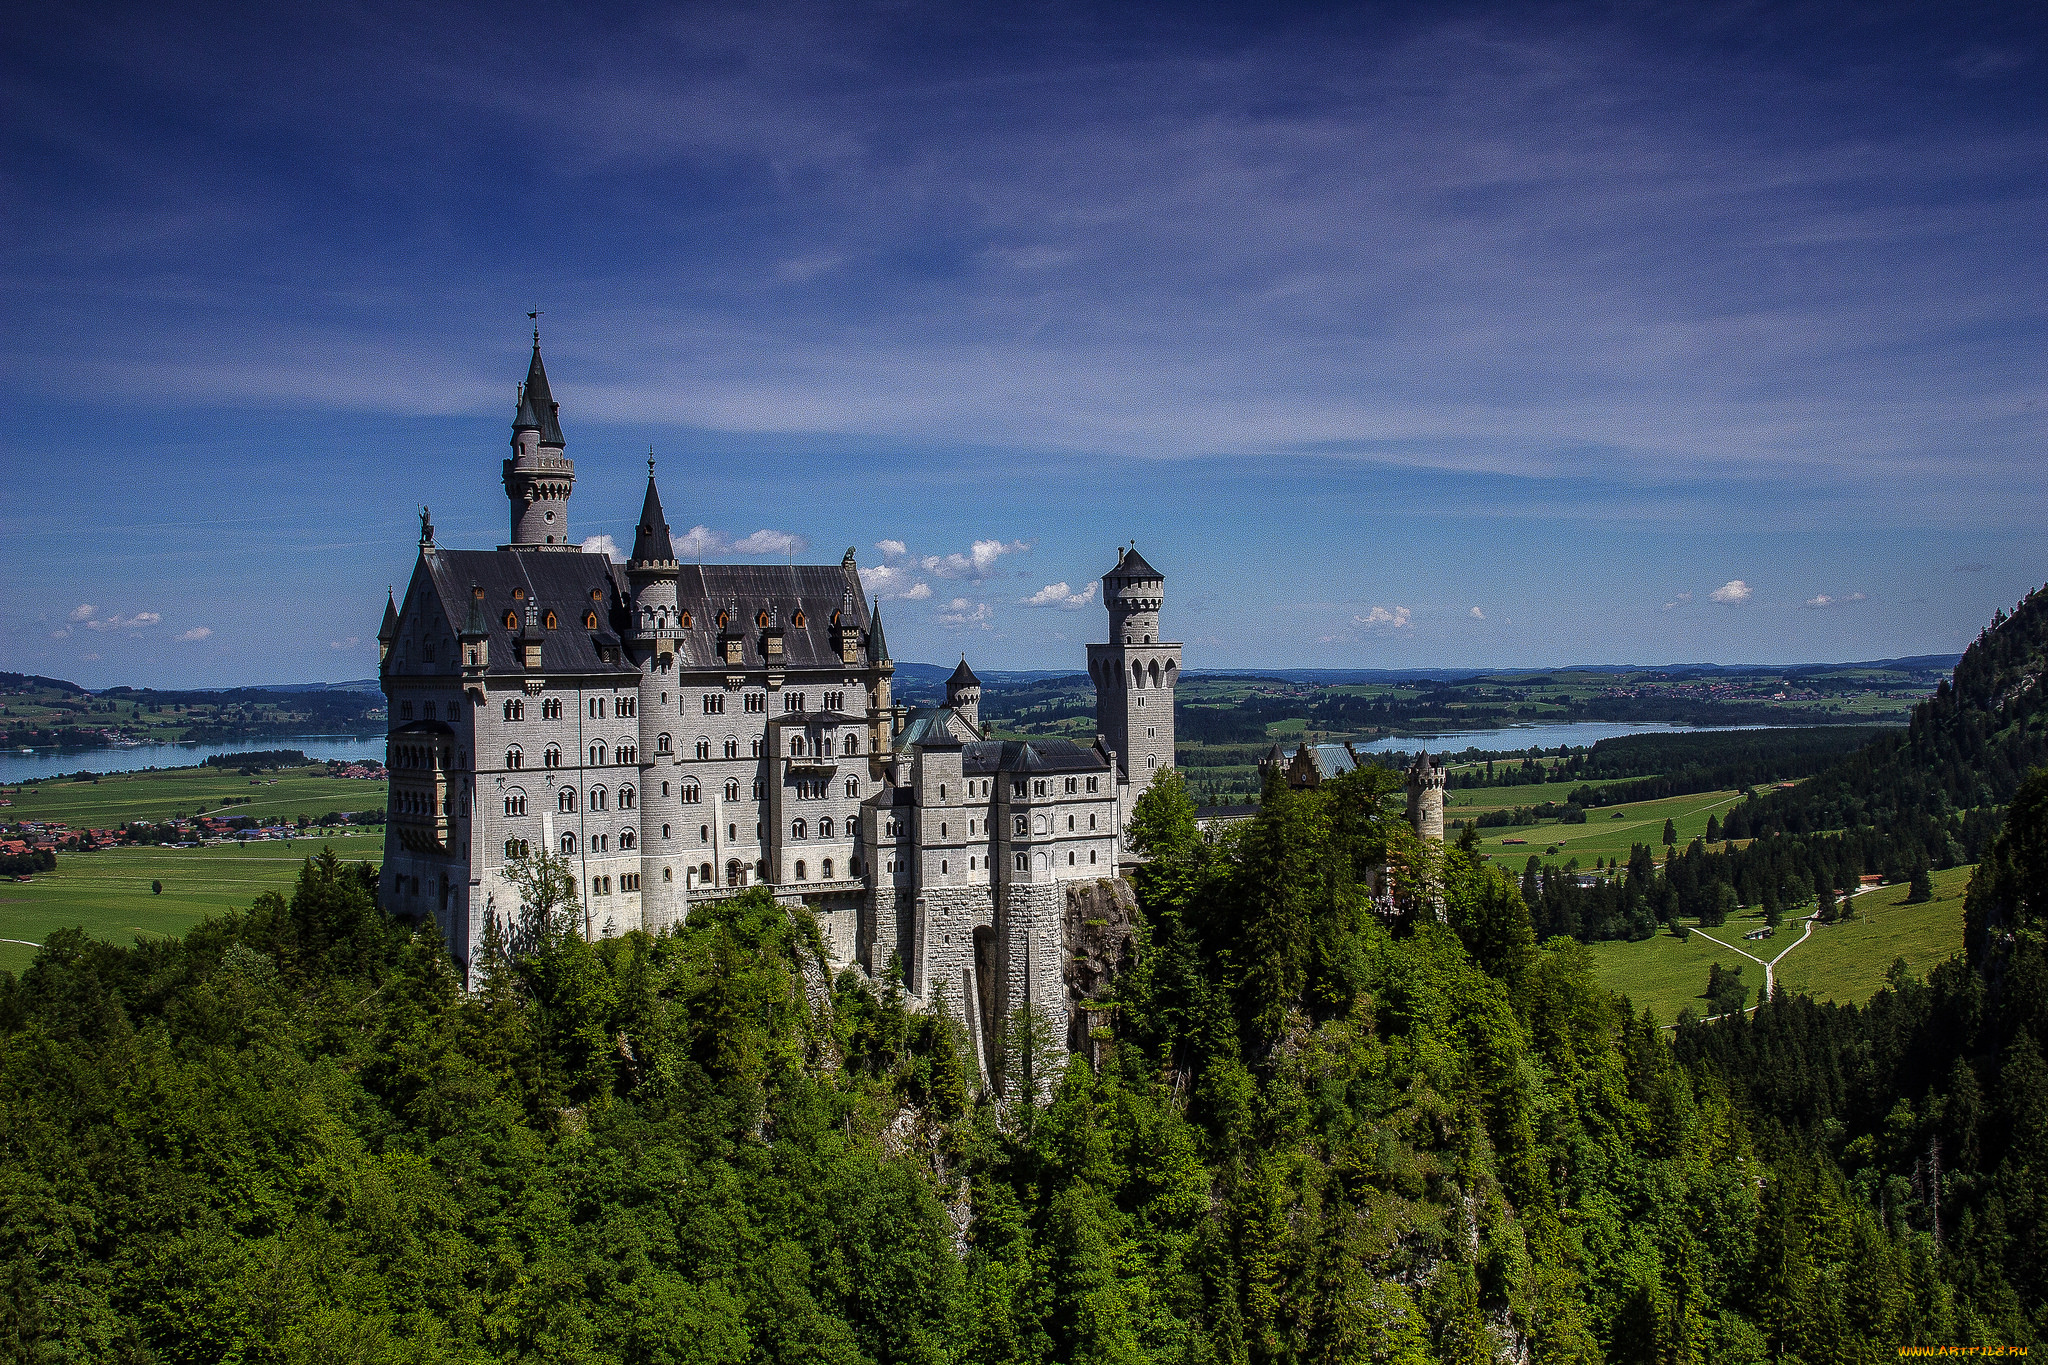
(680,731)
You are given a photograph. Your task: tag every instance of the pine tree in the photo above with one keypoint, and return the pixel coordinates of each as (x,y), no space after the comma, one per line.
(1670,832)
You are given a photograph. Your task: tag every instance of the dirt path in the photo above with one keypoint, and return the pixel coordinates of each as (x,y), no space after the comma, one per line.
(1770,967)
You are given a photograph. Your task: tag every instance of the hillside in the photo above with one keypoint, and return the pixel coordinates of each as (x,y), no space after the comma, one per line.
(1934,790)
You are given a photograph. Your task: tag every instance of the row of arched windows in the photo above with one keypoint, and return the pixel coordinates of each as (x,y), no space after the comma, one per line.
(797,828)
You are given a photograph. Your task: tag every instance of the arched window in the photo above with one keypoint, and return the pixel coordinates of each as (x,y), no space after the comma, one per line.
(796,829)
(568,843)
(553,757)
(703,748)
(732,789)
(825,869)
(515,803)
(761,868)
(800,869)
(732,747)
(689,793)
(733,872)
(627,838)
(796,746)
(551,709)
(851,744)
(825,828)
(514,758)
(596,755)
(662,744)
(704,874)
(1023,863)
(625,798)
(625,753)
(565,799)
(597,798)
(1151,760)
(515,710)
(515,848)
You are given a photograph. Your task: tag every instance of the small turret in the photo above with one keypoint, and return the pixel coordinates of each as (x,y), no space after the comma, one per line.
(657,615)
(1426,797)
(963,694)
(388,632)
(538,478)
(475,641)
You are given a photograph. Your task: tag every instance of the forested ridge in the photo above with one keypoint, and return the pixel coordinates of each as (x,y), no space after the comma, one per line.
(1307,1136)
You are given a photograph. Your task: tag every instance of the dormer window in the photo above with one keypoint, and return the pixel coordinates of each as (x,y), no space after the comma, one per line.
(590,620)
(596,596)
(797,620)
(511,620)
(686,620)
(724,620)
(550,621)
(761,620)
(518,594)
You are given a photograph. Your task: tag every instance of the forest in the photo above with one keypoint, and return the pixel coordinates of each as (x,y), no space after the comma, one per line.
(1321,1127)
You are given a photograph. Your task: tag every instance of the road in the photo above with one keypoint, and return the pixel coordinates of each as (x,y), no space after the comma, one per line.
(1770,967)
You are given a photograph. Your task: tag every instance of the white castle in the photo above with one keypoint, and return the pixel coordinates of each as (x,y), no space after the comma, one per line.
(680,731)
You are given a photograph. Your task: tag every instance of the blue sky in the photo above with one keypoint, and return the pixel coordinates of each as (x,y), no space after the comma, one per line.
(1397,336)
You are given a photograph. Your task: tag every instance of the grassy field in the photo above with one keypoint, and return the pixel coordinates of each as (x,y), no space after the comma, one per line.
(1848,962)
(107,893)
(117,798)
(1845,963)
(1608,831)
(1475,800)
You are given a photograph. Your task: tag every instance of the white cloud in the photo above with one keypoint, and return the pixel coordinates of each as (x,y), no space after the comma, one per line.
(699,541)
(978,563)
(771,543)
(119,622)
(892,549)
(83,611)
(960,613)
(60,632)
(1823,601)
(1478,615)
(1057,595)
(1381,619)
(195,634)
(894,582)
(1733,593)
(349,643)
(603,545)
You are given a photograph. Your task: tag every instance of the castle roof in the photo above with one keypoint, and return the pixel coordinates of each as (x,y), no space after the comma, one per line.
(389,630)
(1031,756)
(1131,564)
(575,586)
(538,410)
(1330,760)
(963,676)
(650,539)
(878,648)
(934,726)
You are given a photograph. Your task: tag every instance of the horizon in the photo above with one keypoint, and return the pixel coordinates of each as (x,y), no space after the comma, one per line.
(1427,338)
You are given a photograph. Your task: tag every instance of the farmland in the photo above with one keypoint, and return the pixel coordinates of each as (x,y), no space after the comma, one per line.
(117,798)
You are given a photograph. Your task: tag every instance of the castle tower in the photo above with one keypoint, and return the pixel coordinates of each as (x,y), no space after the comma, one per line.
(1426,797)
(538,477)
(651,640)
(1135,672)
(963,694)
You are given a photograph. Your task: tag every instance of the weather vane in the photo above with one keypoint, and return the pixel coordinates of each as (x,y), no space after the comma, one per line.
(535,315)
(650,462)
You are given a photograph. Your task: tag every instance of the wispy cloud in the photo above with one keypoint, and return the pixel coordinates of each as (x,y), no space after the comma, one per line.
(700,541)
(350,643)
(1733,593)
(1823,601)
(894,582)
(1382,619)
(195,634)
(141,620)
(604,545)
(978,563)
(960,613)
(1678,600)
(1477,614)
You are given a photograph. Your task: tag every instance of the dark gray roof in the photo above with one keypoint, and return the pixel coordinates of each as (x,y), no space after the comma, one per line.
(389,630)
(934,726)
(538,410)
(564,581)
(1031,756)
(963,676)
(650,539)
(878,648)
(1131,564)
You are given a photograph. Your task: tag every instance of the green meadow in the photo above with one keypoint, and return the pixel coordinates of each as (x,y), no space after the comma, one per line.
(108,893)
(117,798)
(1846,963)
(1608,831)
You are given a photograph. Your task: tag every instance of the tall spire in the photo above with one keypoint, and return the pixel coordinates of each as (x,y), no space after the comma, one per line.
(538,410)
(651,542)
(878,647)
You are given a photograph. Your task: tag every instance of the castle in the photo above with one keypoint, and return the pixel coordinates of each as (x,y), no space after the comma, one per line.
(678,731)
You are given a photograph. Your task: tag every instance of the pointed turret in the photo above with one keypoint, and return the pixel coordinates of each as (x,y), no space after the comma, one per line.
(651,543)
(387,632)
(538,410)
(963,694)
(878,647)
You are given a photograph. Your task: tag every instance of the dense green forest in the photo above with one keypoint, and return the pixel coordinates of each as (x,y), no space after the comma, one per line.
(1309,1135)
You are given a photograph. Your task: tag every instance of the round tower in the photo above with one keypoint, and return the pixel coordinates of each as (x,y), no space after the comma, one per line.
(656,626)
(538,477)
(1426,797)
(963,694)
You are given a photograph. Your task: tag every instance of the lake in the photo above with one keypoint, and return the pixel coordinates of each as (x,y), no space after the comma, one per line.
(1518,737)
(22,765)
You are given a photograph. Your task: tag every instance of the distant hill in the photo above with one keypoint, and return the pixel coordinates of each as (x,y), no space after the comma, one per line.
(36,682)
(1956,764)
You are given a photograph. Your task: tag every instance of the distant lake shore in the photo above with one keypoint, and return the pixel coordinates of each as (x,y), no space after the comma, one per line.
(18,765)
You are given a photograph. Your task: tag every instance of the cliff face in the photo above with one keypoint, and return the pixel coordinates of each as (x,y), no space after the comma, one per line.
(1100,918)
